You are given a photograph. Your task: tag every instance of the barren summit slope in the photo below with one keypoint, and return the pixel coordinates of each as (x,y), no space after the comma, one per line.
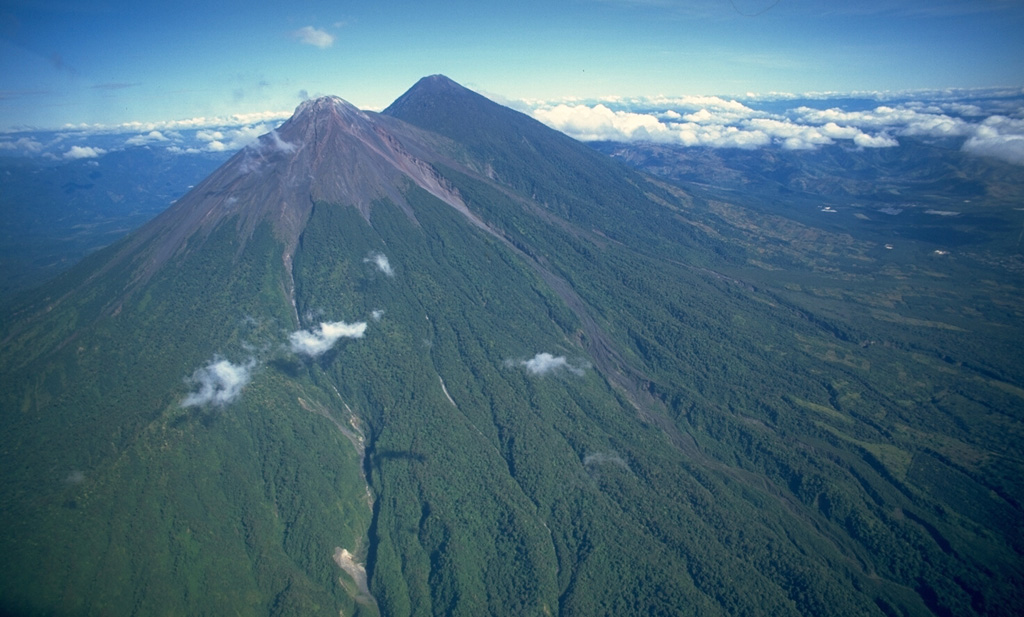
(327,151)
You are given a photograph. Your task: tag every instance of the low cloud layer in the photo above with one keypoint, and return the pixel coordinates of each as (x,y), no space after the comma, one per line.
(381,261)
(725,126)
(1000,137)
(316,342)
(546,364)
(984,123)
(992,126)
(218,383)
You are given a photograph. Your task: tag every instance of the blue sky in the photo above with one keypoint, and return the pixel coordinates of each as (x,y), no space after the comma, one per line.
(64,62)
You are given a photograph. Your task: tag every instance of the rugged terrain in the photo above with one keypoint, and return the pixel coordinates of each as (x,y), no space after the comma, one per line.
(445,360)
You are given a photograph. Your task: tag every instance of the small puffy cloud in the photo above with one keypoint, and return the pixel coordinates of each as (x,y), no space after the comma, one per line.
(279,144)
(150,137)
(218,383)
(209,135)
(312,36)
(381,261)
(28,144)
(545,364)
(316,342)
(834,131)
(604,458)
(864,140)
(377,314)
(84,152)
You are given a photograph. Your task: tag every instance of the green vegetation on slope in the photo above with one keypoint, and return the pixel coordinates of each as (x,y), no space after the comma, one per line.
(737,414)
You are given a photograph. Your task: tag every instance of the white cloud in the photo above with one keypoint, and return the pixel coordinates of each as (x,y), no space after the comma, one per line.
(27,144)
(1000,138)
(214,123)
(601,123)
(209,135)
(834,131)
(231,139)
(312,36)
(280,144)
(150,137)
(715,123)
(997,136)
(703,117)
(908,119)
(219,383)
(864,140)
(604,458)
(324,337)
(986,121)
(714,104)
(545,363)
(381,261)
(719,136)
(791,136)
(180,150)
(84,152)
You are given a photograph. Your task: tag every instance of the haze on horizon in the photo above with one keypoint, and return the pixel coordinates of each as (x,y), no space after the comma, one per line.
(116,62)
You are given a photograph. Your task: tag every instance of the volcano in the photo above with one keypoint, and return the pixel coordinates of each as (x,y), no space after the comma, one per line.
(445,360)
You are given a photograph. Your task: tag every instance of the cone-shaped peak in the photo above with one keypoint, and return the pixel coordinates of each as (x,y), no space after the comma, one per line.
(323,103)
(434,92)
(437,82)
(315,119)
(329,151)
(329,107)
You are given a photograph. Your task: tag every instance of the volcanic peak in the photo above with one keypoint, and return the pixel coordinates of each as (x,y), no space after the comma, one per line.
(328,152)
(330,107)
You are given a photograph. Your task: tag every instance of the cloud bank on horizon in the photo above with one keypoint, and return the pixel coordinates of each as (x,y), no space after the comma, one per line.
(991,126)
(985,122)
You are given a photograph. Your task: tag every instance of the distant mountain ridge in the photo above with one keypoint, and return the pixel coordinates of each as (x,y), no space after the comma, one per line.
(445,360)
